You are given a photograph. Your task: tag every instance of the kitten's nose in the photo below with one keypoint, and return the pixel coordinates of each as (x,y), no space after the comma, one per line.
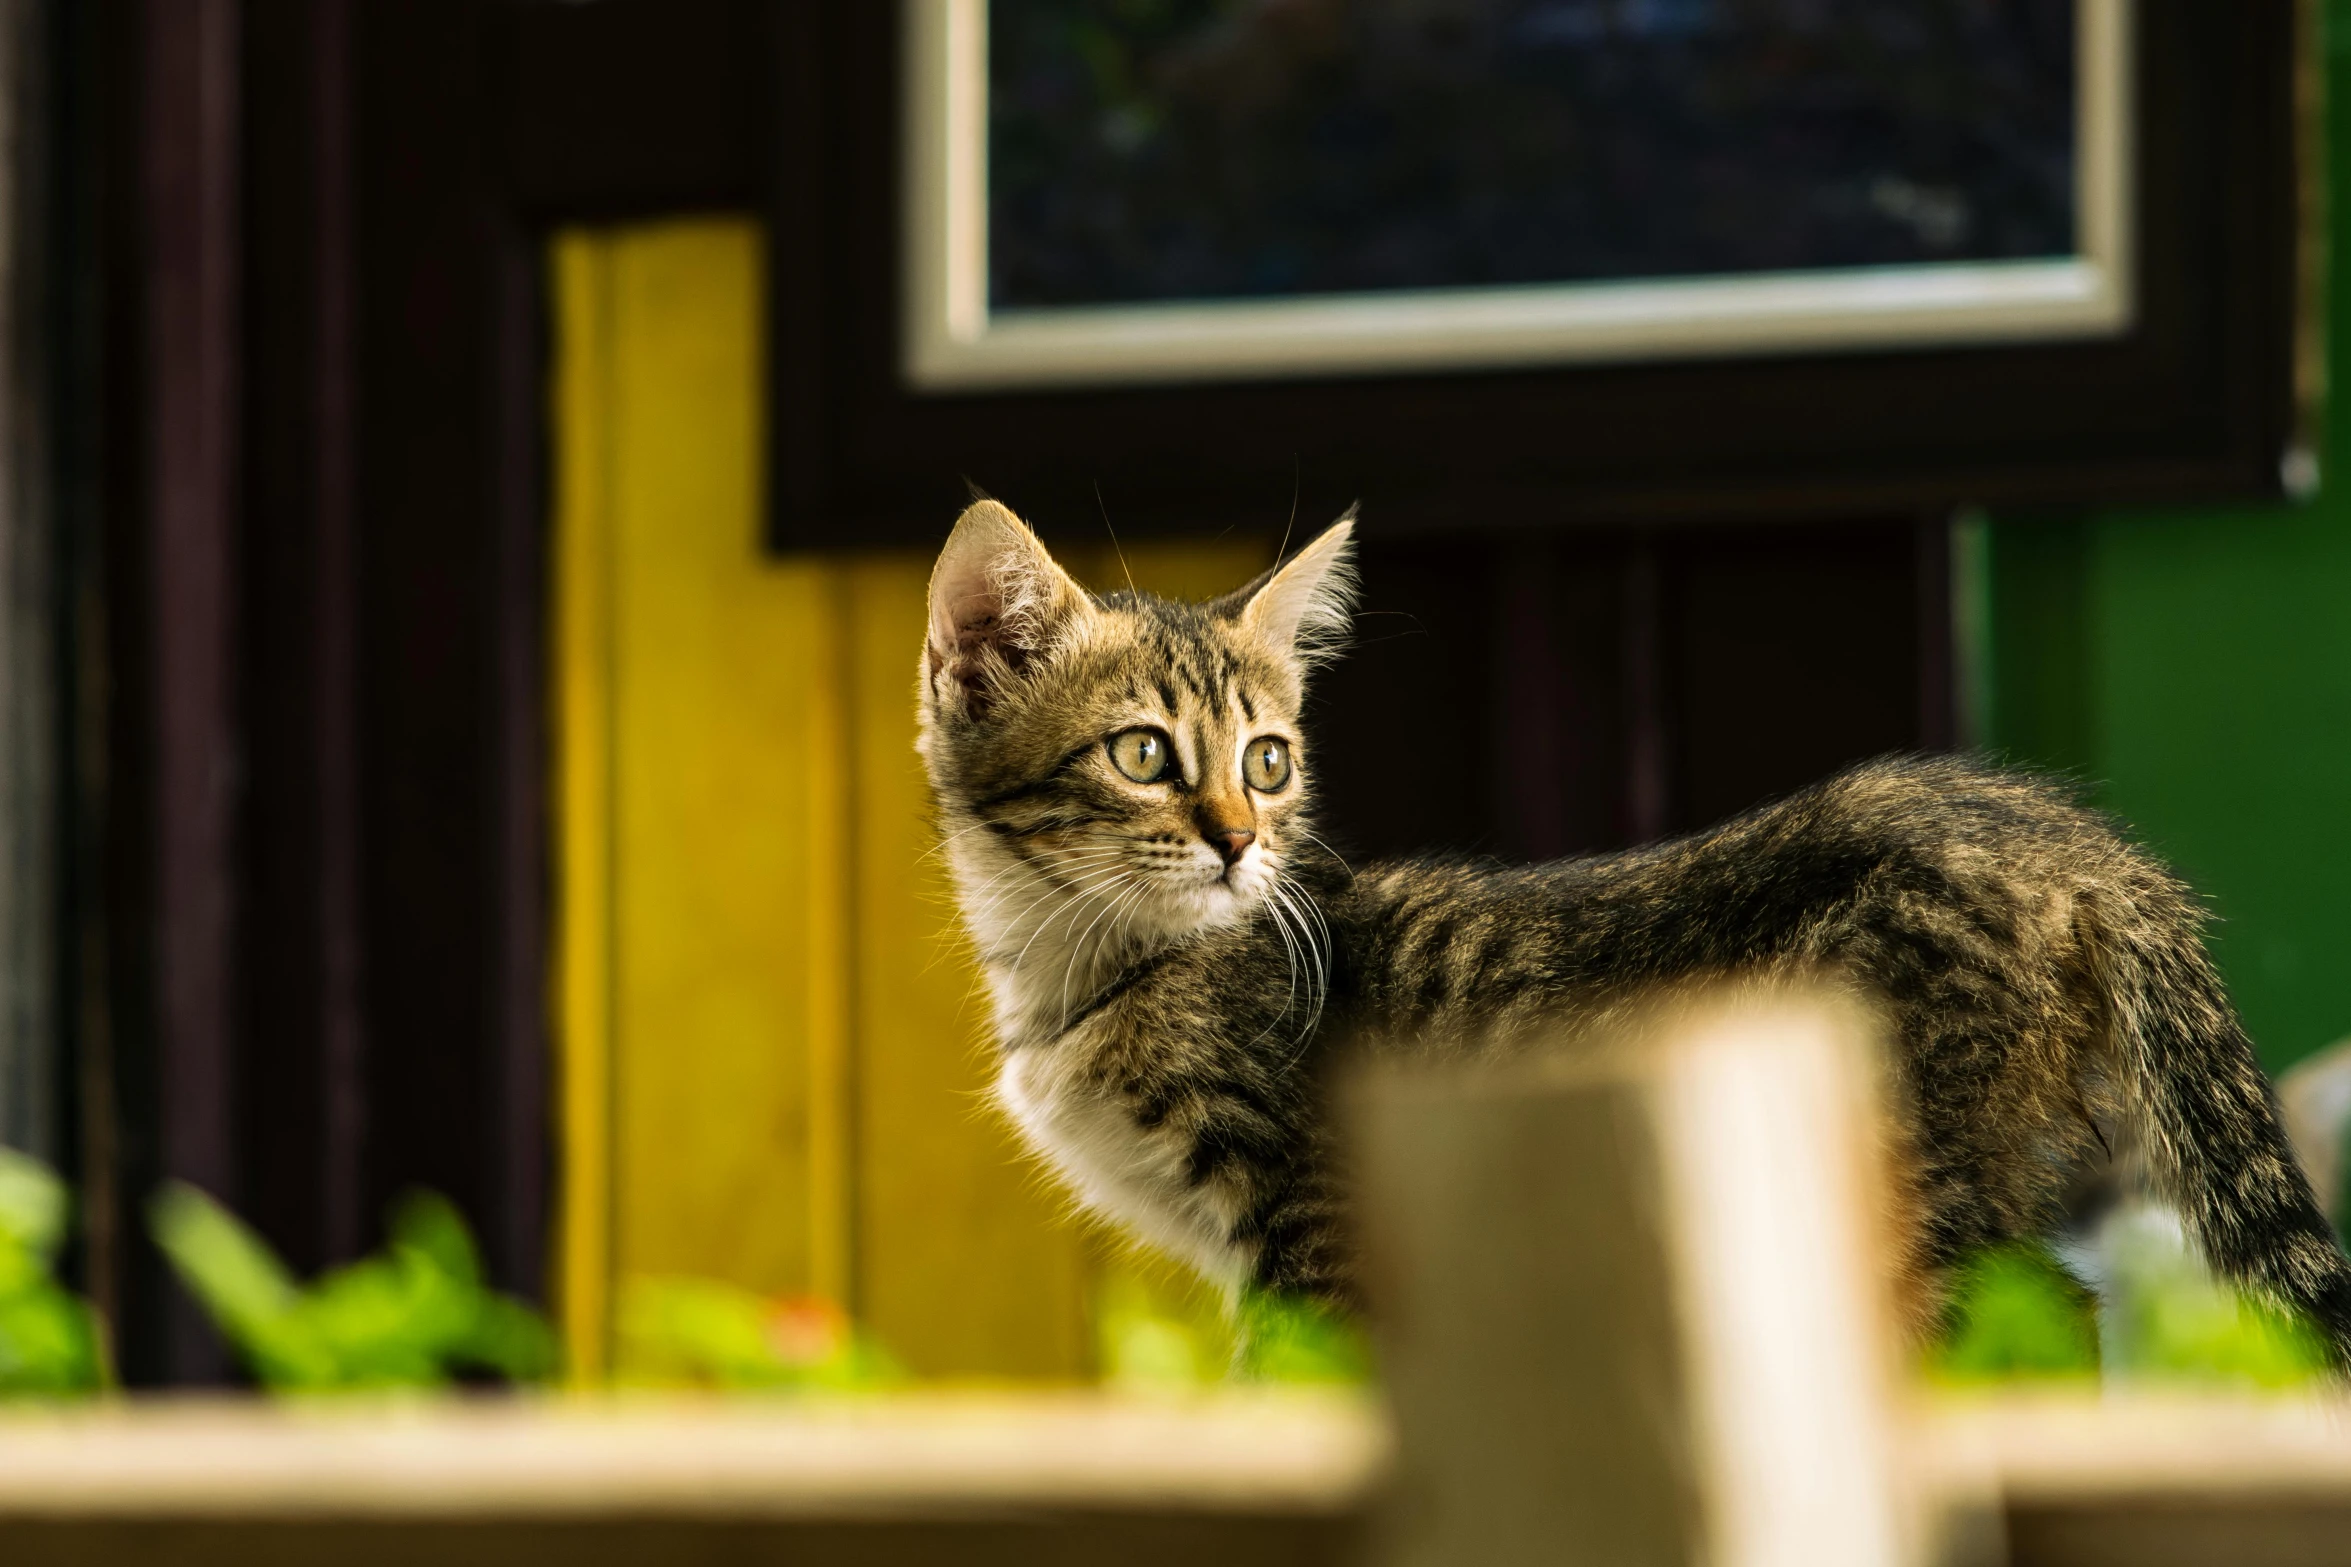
(1229,842)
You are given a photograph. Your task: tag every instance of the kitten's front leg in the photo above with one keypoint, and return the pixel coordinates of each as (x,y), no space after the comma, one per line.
(1297,1229)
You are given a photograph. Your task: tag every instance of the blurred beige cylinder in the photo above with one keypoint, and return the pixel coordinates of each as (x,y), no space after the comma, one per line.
(1632,1299)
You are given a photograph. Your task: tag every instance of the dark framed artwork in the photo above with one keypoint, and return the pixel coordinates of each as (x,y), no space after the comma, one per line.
(2058,267)
(1199,190)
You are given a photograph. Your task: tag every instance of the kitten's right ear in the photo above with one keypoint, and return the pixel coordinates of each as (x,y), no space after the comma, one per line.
(997,602)
(1307,603)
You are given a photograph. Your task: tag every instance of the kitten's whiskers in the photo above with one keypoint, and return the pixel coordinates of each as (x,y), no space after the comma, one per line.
(1075,902)
(1055,887)
(1078,948)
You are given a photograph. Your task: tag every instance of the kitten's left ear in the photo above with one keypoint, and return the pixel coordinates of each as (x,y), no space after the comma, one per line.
(1308,602)
(998,602)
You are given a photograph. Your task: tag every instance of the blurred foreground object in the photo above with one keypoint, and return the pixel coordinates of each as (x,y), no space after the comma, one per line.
(415,1316)
(51,1342)
(1631,1299)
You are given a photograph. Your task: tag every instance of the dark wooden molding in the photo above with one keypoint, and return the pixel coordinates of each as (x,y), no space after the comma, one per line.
(630,108)
(1648,747)
(177,651)
(521,1172)
(1529,696)
(32,1067)
(304,352)
(88,159)
(1938,653)
(447,337)
(304,1080)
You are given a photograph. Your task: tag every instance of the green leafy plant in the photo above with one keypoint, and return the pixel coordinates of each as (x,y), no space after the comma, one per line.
(51,1342)
(1285,1339)
(1158,1332)
(682,1332)
(2170,1319)
(1142,1351)
(1156,1328)
(2220,1335)
(415,1315)
(2016,1313)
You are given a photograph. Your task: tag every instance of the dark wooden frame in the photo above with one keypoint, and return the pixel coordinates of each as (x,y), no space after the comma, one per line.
(2196,401)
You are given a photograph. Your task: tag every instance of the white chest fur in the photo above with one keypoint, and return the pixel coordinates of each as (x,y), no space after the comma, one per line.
(1130,1174)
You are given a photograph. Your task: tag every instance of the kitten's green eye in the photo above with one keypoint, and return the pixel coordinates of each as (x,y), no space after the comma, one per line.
(1265,766)
(1141,754)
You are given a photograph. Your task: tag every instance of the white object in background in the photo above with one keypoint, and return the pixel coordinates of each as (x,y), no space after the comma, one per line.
(2315,1095)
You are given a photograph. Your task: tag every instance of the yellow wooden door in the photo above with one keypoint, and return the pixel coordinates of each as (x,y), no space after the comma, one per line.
(770,1043)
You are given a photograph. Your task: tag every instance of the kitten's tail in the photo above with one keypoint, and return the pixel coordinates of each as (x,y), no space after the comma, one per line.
(2217,1147)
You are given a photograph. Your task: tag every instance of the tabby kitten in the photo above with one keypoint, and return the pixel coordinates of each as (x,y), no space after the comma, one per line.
(1175,958)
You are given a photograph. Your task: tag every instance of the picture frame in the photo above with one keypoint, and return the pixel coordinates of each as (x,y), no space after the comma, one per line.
(954,340)
(2206,393)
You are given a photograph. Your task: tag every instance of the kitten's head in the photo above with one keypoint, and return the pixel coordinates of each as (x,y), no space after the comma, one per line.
(1120,765)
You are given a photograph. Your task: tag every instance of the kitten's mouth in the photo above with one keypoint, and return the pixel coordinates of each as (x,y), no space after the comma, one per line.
(1240,882)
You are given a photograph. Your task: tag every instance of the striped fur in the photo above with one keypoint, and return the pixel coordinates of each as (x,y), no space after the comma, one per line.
(1166,1021)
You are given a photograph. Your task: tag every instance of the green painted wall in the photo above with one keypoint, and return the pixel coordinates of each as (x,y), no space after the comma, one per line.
(2194,666)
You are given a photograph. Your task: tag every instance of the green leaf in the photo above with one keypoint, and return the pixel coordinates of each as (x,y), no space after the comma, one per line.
(2016,1312)
(21,1267)
(2173,1320)
(704,1333)
(511,1339)
(32,1203)
(429,1224)
(388,1321)
(239,1280)
(1141,1351)
(2218,1334)
(51,1343)
(698,1331)
(1284,1339)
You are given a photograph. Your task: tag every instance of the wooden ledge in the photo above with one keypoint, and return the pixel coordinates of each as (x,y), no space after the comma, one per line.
(1261,1455)
(2136,1442)
(2137,1478)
